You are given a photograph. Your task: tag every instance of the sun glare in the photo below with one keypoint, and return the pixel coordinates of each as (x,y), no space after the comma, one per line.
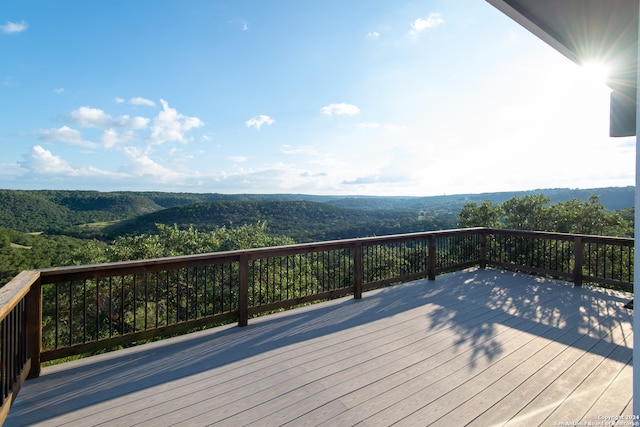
(596,72)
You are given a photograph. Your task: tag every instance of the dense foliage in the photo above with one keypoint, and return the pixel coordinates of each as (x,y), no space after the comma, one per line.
(45,228)
(302,220)
(25,251)
(67,212)
(534,212)
(171,241)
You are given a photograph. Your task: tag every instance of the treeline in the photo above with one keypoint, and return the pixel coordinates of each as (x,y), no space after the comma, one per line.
(535,212)
(41,229)
(85,214)
(304,221)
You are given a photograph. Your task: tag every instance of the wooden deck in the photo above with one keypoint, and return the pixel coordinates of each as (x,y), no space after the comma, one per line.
(478,347)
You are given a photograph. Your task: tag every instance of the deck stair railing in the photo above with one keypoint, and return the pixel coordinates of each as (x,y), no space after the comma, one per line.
(59,312)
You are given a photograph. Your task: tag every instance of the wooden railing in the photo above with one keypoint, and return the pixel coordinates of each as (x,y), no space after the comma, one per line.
(55,313)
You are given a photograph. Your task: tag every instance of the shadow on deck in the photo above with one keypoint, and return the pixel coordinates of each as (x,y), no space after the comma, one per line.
(473,347)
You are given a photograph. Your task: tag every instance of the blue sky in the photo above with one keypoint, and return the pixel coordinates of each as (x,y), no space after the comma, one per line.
(354,97)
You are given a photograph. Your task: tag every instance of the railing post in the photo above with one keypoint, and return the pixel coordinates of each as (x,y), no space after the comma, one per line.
(243,290)
(483,249)
(432,257)
(578,255)
(33,302)
(358,271)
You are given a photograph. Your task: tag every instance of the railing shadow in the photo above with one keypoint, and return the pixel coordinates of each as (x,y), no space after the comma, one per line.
(558,311)
(473,303)
(71,386)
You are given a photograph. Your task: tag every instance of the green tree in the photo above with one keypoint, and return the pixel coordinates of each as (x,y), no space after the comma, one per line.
(533,212)
(528,212)
(587,217)
(172,241)
(484,214)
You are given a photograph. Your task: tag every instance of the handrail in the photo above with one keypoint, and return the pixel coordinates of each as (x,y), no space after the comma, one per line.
(58,312)
(20,339)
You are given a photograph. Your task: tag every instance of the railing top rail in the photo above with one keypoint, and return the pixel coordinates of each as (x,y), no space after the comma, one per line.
(625,241)
(53,275)
(14,291)
(56,274)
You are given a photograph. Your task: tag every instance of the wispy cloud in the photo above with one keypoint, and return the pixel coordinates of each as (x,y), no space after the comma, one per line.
(94,117)
(244,24)
(340,109)
(67,135)
(13,27)
(238,159)
(373,35)
(112,137)
(258,121)
(142,101)
(140,164)
(421,24)
(136,100)
(59,91)
(128,122)
(389,127)
(9,81)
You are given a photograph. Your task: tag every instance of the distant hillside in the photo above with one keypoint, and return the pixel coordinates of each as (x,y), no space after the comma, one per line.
(302,220)
(612,198)
(26,211)
(303,217)
(119,204)
(60,212)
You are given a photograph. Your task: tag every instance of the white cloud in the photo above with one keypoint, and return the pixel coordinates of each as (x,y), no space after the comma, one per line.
(118,100)
(13,27)
(238,159)
(111,137)
(89,117)
(243,23)
(142,101)
(258,121)
(169,125)
(373,35)
(421,24)
(340,109)
(95,118)
(67,135)
(142,165)
(127,122)
(45,163)
(40,161)
(59,91)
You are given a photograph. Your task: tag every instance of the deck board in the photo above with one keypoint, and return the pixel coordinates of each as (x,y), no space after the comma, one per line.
(477,347)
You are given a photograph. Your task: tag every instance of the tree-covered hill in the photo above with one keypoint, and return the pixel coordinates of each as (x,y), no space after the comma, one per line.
(61,212)
(119,204)
(26,251)
(304,217)
(46,227)
(302,220)
(612,198)
(26,211)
